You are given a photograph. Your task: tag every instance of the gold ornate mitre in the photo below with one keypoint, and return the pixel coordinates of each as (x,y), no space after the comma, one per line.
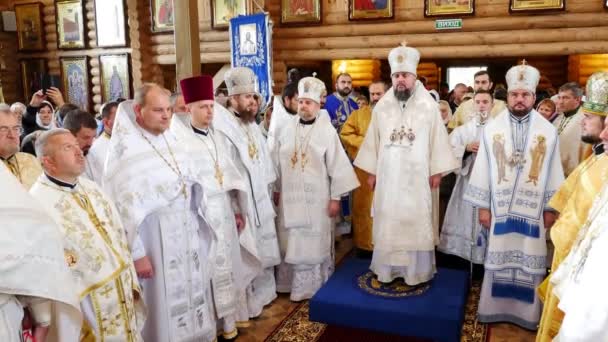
(240,80)
(597,94)
(404,59)
(311,88)
(523,77)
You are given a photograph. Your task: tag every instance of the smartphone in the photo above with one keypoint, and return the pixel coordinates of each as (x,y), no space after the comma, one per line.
(47,81)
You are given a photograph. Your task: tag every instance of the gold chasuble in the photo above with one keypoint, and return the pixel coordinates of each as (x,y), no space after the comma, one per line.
(352,134)
(572,201)
(97,253)
(25,167)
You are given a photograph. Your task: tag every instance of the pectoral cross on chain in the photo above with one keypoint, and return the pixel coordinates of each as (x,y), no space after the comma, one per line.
(219,175)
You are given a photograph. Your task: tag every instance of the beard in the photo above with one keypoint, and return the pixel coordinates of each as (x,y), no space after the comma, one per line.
(402,95)
(246,114)
(591,139)
(344,92)
(520,112)
(291,111)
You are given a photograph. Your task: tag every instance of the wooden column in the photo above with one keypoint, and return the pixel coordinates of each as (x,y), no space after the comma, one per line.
(186,34)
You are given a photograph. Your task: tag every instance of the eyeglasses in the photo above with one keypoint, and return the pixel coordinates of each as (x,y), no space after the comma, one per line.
(16,130)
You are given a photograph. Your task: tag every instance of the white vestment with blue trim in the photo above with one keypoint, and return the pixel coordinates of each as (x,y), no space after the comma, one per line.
(516,172)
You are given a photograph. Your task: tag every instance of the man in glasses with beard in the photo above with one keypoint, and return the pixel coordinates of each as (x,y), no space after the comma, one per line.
(405,152)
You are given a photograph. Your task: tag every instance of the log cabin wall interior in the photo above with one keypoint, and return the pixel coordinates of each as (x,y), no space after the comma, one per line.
(566,45)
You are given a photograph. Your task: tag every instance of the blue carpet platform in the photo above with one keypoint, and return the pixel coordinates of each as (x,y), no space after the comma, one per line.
(436,314)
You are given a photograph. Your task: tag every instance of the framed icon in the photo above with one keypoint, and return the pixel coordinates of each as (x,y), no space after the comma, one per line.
(370,10)
(75,79)
(162,15)
(222,11)
(115,77)
(435,8)
(110,23)
(300,12)
(32,71)
(30,31)
(70,24)
(522,6)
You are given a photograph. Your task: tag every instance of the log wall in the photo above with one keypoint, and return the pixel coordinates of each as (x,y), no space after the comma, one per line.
(490,33)
(582,66)
(52,53)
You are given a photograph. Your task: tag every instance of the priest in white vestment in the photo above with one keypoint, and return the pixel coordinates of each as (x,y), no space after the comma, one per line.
(249,153)
(94,241)
(234,266)
(462,234)
(405,152)
(314,173)
(150,174)
(33,268)
(516,172)
(96,157)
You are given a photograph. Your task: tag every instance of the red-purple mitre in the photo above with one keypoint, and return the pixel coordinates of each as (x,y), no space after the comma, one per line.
(197,88)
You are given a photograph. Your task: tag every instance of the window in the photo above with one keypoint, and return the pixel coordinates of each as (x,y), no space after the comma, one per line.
(463,75)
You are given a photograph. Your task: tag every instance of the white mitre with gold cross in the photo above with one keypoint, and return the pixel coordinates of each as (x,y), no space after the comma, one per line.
(404,59)
(311,88)
(523,77)
(240,80)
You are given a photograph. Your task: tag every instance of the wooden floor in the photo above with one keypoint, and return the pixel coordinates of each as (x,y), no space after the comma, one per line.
(274,314)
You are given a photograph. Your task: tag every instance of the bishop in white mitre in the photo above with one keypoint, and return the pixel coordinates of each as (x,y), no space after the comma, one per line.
(462,234)
(33,268)
(150,174)
(94,242)
(96,157)
(234,266)
(405,152)
(516,172)
(314,172)
(249,153)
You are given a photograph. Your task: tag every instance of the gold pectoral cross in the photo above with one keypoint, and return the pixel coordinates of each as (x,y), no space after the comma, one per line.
(253,150)
(294,159)
(304,160)
(184,190)
(219,175)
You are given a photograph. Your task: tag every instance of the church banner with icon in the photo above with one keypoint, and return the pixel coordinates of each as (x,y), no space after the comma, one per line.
(250,44)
